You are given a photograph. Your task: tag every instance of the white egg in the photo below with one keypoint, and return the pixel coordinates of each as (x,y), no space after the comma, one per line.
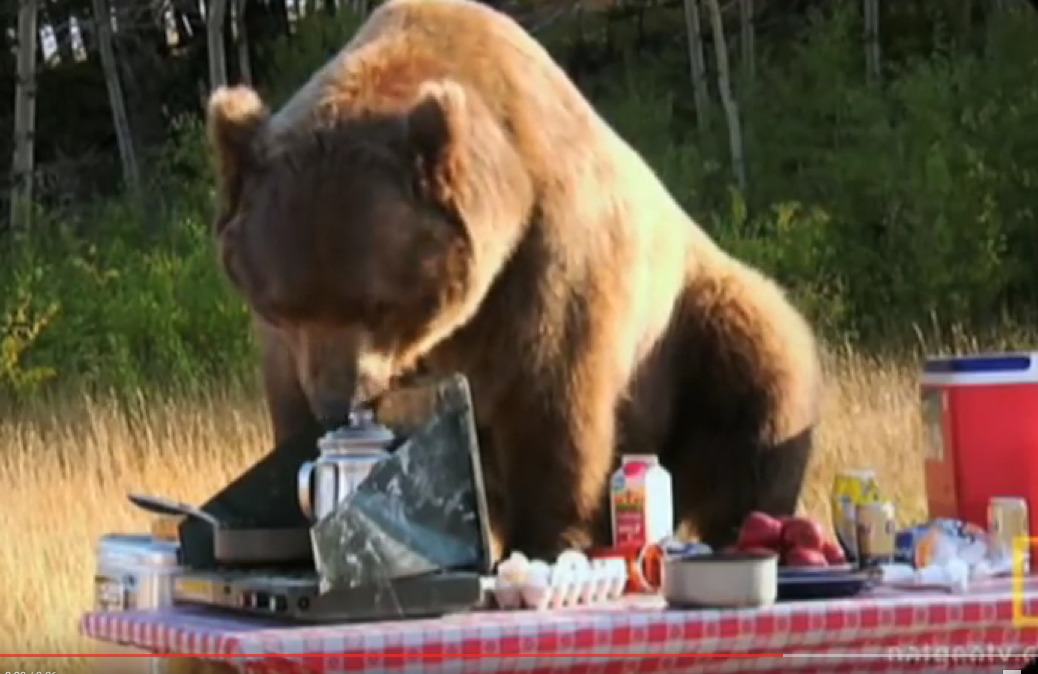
(538,573)
(514,569)
(559,582)
(573,559)
(560,574)
(536,596)
(590,587)
(508,595)
(617,577)
(579,580)
(536,591)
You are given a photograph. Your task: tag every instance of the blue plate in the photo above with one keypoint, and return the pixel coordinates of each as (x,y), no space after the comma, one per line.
(821,583)
(815,571)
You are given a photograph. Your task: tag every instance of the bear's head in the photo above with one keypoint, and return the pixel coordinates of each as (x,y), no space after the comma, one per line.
(367,234)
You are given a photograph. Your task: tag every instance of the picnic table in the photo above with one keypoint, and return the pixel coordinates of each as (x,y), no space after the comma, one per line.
(882,630)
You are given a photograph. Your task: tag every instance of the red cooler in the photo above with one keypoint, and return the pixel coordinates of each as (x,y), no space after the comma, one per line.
(980,416)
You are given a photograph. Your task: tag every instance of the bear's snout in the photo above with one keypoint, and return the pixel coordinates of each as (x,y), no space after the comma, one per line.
(331,405)
(332,410)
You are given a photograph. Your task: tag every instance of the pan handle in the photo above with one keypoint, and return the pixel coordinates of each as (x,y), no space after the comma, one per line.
(304,486)
(167,507)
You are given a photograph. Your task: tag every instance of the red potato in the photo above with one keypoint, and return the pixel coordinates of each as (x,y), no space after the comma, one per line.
(833,552)
(801,532)
(758,551)
(805,557)
(760,530)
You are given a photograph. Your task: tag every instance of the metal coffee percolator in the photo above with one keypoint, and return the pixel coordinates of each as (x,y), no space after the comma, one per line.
(347,456)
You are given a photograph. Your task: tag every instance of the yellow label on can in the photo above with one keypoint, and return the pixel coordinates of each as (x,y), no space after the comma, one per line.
(852,488)
(859,486)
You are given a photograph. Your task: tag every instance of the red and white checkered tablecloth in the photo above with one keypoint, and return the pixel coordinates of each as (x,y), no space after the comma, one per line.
(882,631)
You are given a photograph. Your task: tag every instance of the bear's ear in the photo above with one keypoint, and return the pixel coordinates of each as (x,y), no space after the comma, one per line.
(235,119)
(436,135)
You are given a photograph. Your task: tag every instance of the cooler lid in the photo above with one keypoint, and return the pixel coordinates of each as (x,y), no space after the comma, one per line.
(981,370)
(137,549)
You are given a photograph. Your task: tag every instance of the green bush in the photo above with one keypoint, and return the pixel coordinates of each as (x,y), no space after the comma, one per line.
(884,207)
(881,205)
(130,306)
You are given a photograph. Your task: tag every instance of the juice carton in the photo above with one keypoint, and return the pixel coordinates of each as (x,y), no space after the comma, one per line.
(641,502)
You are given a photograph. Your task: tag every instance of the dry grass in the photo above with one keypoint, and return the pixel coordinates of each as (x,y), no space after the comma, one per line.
(64,474)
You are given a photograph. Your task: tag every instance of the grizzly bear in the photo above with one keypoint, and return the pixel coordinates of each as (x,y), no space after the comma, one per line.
(441,196)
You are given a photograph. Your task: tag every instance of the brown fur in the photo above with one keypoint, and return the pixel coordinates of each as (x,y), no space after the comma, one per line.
(441,194)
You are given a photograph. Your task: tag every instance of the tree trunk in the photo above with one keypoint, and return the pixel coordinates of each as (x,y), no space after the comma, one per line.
(22,165)
(230,44)
(123,137)
(747,40)
(724,86)
(242,37)
(217,56)
(697,64)
(872,39)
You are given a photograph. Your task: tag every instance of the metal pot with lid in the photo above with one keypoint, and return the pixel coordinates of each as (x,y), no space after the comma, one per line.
(347,455)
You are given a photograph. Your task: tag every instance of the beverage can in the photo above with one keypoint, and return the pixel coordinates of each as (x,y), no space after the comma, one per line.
(851,488)
(876,532)
(1007,522)
(641,502)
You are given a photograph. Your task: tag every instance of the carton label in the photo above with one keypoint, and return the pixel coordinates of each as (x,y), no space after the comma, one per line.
(629,515)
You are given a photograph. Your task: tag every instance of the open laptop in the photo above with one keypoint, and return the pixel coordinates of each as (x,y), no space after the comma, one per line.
(295,594)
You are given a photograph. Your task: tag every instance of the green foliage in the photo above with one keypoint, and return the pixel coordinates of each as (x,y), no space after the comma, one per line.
(132,306)
(883,207)
(318,37)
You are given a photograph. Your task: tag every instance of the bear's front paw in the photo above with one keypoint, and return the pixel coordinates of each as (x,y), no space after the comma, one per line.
(549,546)
(576,538)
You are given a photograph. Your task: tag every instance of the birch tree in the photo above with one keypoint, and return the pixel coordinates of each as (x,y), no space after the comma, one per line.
(872,39)
(697,63)
(724,86)
(23,161)
(747,40)
(242,36)
(214,41)
(116,99)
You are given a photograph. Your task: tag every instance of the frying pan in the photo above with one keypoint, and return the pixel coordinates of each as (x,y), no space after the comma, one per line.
(238,545)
